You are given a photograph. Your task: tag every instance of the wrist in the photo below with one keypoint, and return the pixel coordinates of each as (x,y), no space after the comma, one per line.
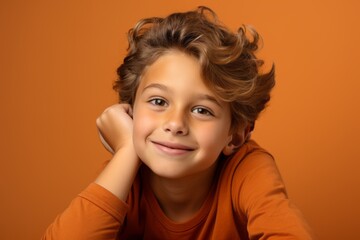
(119,174)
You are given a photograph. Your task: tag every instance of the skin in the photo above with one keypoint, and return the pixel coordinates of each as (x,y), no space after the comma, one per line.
(178,128)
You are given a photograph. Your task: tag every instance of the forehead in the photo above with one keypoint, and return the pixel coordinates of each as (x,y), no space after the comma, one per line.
(174,62)
(175,69)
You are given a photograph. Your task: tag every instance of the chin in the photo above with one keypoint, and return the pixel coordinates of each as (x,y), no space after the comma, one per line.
(167,172)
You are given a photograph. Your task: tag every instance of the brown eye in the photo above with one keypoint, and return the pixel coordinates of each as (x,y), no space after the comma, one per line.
(158,102)
(202,111)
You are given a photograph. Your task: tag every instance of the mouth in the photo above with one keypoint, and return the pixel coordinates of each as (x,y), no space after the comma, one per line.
(172,148)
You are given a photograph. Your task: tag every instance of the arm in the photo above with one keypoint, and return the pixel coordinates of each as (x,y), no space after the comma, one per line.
(98,212)
(262,201)
(115,125)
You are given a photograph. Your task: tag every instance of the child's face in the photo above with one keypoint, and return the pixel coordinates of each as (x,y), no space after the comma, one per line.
(180,127)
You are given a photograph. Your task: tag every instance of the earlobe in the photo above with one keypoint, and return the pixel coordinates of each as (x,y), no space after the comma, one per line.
(228,149)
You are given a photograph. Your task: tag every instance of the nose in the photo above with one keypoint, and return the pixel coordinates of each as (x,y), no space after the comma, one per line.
(176,123)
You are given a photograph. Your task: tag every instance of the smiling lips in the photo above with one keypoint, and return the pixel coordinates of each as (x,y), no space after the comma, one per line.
(172,148)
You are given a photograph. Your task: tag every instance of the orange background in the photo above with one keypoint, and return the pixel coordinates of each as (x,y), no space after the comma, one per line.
(58,62)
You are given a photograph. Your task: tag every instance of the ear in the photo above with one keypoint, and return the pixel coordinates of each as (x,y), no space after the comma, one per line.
(237,139)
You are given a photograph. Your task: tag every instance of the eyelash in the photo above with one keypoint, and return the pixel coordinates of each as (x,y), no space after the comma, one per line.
(161,103)
(155,102)
(204,110)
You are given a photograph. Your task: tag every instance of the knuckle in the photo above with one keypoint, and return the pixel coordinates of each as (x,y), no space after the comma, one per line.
(98,122)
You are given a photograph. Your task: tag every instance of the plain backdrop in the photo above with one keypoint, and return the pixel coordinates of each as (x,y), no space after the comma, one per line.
(58,61)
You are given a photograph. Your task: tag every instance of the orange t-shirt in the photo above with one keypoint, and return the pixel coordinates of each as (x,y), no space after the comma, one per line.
(247,201)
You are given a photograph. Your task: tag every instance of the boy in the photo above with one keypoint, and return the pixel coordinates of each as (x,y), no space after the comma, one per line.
(184,166)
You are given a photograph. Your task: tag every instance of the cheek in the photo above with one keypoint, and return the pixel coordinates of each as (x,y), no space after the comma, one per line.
(144,124)
(213,138)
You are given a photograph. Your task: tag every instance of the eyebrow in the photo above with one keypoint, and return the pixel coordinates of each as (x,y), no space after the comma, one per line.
(210,98)
(200,96)
(156,85)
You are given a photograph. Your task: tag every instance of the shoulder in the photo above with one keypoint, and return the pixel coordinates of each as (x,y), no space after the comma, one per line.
(254,160)
(247,159)
(259,197)
(252,175)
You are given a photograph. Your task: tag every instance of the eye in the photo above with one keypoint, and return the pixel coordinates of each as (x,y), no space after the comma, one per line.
(202,111)
(158,102)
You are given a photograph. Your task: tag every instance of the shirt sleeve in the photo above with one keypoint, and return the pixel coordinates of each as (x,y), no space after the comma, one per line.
(260,197)
(94,214)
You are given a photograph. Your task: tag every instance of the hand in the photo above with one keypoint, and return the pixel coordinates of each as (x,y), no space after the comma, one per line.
(115,126)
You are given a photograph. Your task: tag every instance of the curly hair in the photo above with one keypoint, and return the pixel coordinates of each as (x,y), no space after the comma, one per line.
(228,62)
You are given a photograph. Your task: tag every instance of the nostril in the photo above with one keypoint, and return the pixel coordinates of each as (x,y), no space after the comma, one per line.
(180,132)
(175,124)
(175,130)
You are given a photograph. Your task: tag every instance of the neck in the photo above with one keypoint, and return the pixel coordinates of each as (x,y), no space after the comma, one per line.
(181,199)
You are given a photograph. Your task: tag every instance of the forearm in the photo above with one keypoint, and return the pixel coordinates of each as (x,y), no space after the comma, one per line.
(95,214)
(119,174)
(98,212)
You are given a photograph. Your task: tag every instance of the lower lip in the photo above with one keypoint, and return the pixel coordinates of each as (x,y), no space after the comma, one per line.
(171,151)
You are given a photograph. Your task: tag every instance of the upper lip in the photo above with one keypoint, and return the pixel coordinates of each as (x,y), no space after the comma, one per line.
(174,145)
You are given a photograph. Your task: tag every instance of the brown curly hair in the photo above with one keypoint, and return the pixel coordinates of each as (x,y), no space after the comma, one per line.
(229,65)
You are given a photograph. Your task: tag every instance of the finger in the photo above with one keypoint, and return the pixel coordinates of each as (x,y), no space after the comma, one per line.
(123,107)
(130,110)
(127,108)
